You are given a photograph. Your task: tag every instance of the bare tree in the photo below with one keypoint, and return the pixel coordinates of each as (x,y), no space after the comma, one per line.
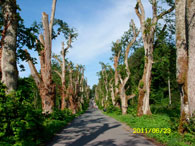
(123,81)
(148,29)
(62,75)
(116,77)
(105,79)
(70,91)
(8,45)
(44,80)
(185,36)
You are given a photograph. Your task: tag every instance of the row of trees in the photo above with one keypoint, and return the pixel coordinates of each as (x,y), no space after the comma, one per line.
(145,66)
(15,36)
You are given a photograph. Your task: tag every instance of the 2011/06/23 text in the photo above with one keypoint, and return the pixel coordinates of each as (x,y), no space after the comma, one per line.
(152,130)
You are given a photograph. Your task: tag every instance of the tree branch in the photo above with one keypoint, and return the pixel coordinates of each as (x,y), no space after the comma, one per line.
(130,96)
(56,57)
(58,73)
(47,50)
(33,70)
(52,18)
(141,15)
(165,12)
(69,43)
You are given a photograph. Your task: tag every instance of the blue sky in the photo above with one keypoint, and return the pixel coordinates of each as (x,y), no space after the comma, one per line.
(98,22)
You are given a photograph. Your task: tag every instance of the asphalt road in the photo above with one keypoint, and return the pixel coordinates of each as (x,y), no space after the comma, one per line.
(95,129)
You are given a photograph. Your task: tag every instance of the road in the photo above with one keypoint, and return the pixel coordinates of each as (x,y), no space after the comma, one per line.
(95,129)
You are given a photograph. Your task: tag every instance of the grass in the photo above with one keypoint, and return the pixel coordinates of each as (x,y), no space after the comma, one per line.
(157,121)
(51,127)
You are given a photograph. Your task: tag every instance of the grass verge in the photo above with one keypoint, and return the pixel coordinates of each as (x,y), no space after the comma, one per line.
(156,121)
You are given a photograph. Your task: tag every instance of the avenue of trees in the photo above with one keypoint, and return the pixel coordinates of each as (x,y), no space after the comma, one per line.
(153,66)
(32,109)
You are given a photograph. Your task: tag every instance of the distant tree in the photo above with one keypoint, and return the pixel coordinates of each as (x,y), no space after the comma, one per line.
(63,68)
(116,49)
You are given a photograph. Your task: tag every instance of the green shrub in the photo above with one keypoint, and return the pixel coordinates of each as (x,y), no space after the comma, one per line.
(132,110)
(20,123)
(62,115)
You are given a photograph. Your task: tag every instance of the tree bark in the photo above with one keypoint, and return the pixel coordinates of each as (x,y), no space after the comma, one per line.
(116,78)
(63,102)
(169,88)
(191,52)
(112,92)
(185,25)
(71,92)
(8,56)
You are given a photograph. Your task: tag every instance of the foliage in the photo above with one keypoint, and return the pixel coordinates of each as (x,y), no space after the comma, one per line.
(20,123)
(113,109)
(62,115)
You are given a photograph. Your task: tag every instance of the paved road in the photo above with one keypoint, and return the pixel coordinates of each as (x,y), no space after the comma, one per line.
(95,129)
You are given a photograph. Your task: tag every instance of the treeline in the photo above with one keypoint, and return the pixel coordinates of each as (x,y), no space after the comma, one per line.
(32,109)
(151,71)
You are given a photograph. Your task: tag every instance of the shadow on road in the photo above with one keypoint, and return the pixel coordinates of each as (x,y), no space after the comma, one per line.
(95,129)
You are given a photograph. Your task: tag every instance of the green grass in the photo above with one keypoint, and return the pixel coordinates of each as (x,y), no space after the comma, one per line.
(52,126)
(157,121)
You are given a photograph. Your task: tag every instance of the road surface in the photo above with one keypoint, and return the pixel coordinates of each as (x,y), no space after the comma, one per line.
(95,129)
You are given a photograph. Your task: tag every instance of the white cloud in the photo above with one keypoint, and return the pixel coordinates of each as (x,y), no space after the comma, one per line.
(96,35)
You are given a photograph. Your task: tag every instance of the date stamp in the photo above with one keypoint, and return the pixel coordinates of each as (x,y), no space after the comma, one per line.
(152,130)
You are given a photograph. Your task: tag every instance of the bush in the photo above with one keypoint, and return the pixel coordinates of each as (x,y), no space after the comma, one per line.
(20,123)
(132,110)
(113,109)
(65,115)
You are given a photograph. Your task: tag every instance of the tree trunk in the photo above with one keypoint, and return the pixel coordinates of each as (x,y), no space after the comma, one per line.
(144,89)
(185,25)
(169,88)
(123,98)
(71,92)
(8,58)
(63,98)
(116,79)
(191,52)
(112,94)
(47,98)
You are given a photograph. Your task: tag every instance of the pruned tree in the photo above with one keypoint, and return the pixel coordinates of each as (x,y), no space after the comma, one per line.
(70,89)
(123,80)
(44,80)
(116,49)
(111,85)
(148,28)
(8,71)
(185,36)
(62,75)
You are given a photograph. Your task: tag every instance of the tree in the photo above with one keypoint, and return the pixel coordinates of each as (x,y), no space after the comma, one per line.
(116,54)
(123,80)
(8,45)
(148,28)
(44,80)
(185,30)
(63,70)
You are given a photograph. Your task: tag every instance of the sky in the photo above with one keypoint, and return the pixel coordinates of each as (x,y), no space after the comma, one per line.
(98,23)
